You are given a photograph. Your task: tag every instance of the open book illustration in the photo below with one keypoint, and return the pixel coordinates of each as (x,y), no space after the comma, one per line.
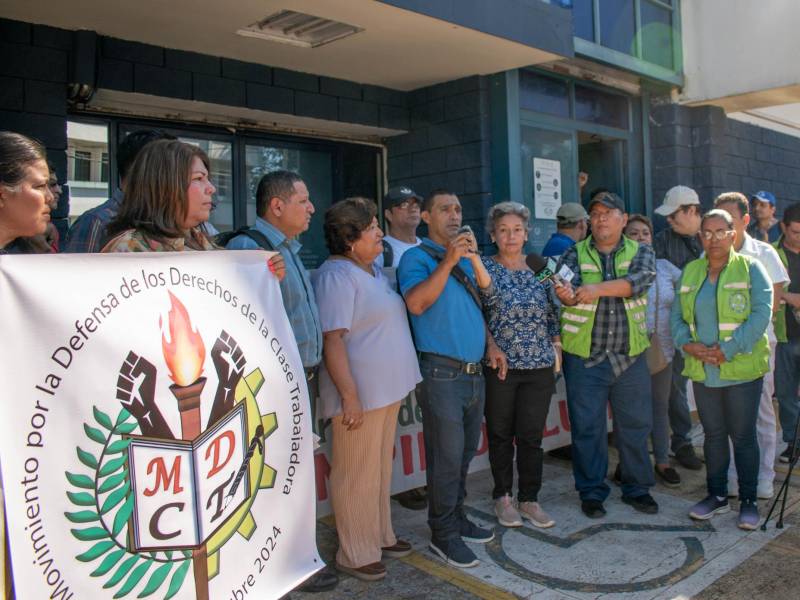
(185,490)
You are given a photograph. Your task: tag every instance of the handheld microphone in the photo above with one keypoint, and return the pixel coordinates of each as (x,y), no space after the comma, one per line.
(544,269)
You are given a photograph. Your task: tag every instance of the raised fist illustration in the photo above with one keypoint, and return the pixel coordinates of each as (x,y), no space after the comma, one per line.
(136,391)
(229,363)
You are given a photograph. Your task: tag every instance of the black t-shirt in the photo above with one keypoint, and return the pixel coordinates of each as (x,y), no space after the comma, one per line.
(793,267)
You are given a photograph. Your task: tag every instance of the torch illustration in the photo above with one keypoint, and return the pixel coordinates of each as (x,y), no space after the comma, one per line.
(184,354)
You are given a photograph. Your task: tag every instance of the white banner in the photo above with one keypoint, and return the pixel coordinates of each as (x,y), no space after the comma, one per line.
(155,439)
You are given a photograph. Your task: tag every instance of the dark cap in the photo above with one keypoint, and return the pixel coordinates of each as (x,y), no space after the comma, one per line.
(608,199)
(399,194)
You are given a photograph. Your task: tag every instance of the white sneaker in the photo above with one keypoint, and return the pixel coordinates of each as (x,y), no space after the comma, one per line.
(535,514)
(765,490)
(507,515)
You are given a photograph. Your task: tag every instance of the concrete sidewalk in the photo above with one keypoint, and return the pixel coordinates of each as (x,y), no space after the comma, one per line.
(626,555)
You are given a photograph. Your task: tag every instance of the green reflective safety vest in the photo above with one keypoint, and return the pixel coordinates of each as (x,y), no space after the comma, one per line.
(577,321)
(733,309)
(779,318)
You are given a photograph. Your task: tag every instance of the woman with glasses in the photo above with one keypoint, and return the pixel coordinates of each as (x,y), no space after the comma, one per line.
(719,324)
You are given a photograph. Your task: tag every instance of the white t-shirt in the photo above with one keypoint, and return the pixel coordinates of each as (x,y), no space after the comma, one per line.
(380,350)
(398,249)
(768,257)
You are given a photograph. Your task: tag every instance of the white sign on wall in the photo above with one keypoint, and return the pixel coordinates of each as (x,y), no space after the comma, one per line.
(546,187)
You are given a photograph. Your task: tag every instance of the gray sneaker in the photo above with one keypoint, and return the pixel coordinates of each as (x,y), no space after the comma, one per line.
(507,515)
(535,514)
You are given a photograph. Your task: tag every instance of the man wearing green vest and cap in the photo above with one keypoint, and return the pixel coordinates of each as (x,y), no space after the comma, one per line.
(787,330)
(604,336)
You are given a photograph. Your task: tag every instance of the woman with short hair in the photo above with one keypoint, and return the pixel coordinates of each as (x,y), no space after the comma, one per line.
(369,366)
(720,324)
(524,324)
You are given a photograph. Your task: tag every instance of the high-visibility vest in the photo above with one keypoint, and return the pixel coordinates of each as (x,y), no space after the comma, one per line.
(733,309)
(779,318)
(577,321)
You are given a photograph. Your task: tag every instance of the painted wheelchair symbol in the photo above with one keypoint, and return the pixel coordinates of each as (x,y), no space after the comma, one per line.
(695,554)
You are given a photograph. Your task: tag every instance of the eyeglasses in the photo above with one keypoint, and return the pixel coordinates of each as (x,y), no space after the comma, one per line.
(406,204)
(601,216)
(718,235)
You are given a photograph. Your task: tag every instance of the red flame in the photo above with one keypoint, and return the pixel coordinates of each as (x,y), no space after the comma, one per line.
(185,352)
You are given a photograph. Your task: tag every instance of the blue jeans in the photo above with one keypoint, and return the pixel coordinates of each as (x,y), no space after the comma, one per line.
(589,391)
(452,411)
(680,420)
(787,378)
(730,412)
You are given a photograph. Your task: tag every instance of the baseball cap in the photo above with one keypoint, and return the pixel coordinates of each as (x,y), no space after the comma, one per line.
(399,194)
(570,212)
(677,196)
(764,197)
(609,199)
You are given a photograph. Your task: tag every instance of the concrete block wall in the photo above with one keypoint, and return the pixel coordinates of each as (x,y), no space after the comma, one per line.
(704,149)
(135,67)
(34,70)
(762,159)
(447,146)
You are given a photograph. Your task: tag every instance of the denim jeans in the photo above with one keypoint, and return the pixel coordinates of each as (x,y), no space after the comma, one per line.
(680,420)
(660,385)
(516,411)
(452,411)
(730,412)
(589,391)
(787,378)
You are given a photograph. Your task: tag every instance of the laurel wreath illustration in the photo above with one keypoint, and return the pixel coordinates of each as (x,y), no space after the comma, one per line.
(105,504)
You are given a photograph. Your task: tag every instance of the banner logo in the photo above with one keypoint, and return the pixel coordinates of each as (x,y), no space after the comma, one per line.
(149,502)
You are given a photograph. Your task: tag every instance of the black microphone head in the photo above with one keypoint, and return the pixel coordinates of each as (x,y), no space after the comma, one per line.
(535,262)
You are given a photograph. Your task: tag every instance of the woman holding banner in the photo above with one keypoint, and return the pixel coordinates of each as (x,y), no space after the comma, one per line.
(524,325)
(369,366)
(25,199)
(720,324)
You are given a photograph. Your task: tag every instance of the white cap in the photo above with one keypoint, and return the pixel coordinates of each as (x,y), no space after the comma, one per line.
(678,196)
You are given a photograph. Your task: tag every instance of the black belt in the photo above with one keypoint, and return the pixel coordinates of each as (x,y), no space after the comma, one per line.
(469,368)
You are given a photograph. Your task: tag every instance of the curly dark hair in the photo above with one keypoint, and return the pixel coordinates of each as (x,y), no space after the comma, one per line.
(345,221)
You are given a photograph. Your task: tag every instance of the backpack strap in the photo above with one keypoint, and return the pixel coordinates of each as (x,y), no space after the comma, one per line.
(388,254)
(259,238)
(458,273)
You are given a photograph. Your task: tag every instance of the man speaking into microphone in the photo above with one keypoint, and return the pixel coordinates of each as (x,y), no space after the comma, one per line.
(604,337)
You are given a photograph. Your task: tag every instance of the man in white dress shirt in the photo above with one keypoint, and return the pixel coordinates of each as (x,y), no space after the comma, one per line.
(736,204)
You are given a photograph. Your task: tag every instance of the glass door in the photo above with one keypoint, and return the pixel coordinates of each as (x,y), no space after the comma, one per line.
(548,165)
(316,168)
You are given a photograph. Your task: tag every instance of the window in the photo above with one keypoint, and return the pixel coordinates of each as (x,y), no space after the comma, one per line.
(645,30)
(601,107)
(543,94)
(104,168)
(83,166)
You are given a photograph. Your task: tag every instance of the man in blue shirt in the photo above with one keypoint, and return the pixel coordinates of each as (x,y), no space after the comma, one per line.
(443,281)
(571,228)
(764,226)
(284,211)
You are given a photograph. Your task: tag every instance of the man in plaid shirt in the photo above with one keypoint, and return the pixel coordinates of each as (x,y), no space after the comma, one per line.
(604,338)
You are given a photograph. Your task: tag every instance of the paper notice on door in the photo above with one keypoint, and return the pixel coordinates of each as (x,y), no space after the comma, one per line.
(546,187)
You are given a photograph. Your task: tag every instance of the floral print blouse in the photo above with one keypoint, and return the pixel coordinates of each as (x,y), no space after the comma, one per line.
(523,319)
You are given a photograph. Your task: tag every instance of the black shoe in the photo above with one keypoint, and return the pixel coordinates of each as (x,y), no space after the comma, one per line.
(786,455)
(644,503)
(321,581)
(688,459)
(415,499)
(617,477)
(564,453)
(593,509)
(472,533)
(669,476)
